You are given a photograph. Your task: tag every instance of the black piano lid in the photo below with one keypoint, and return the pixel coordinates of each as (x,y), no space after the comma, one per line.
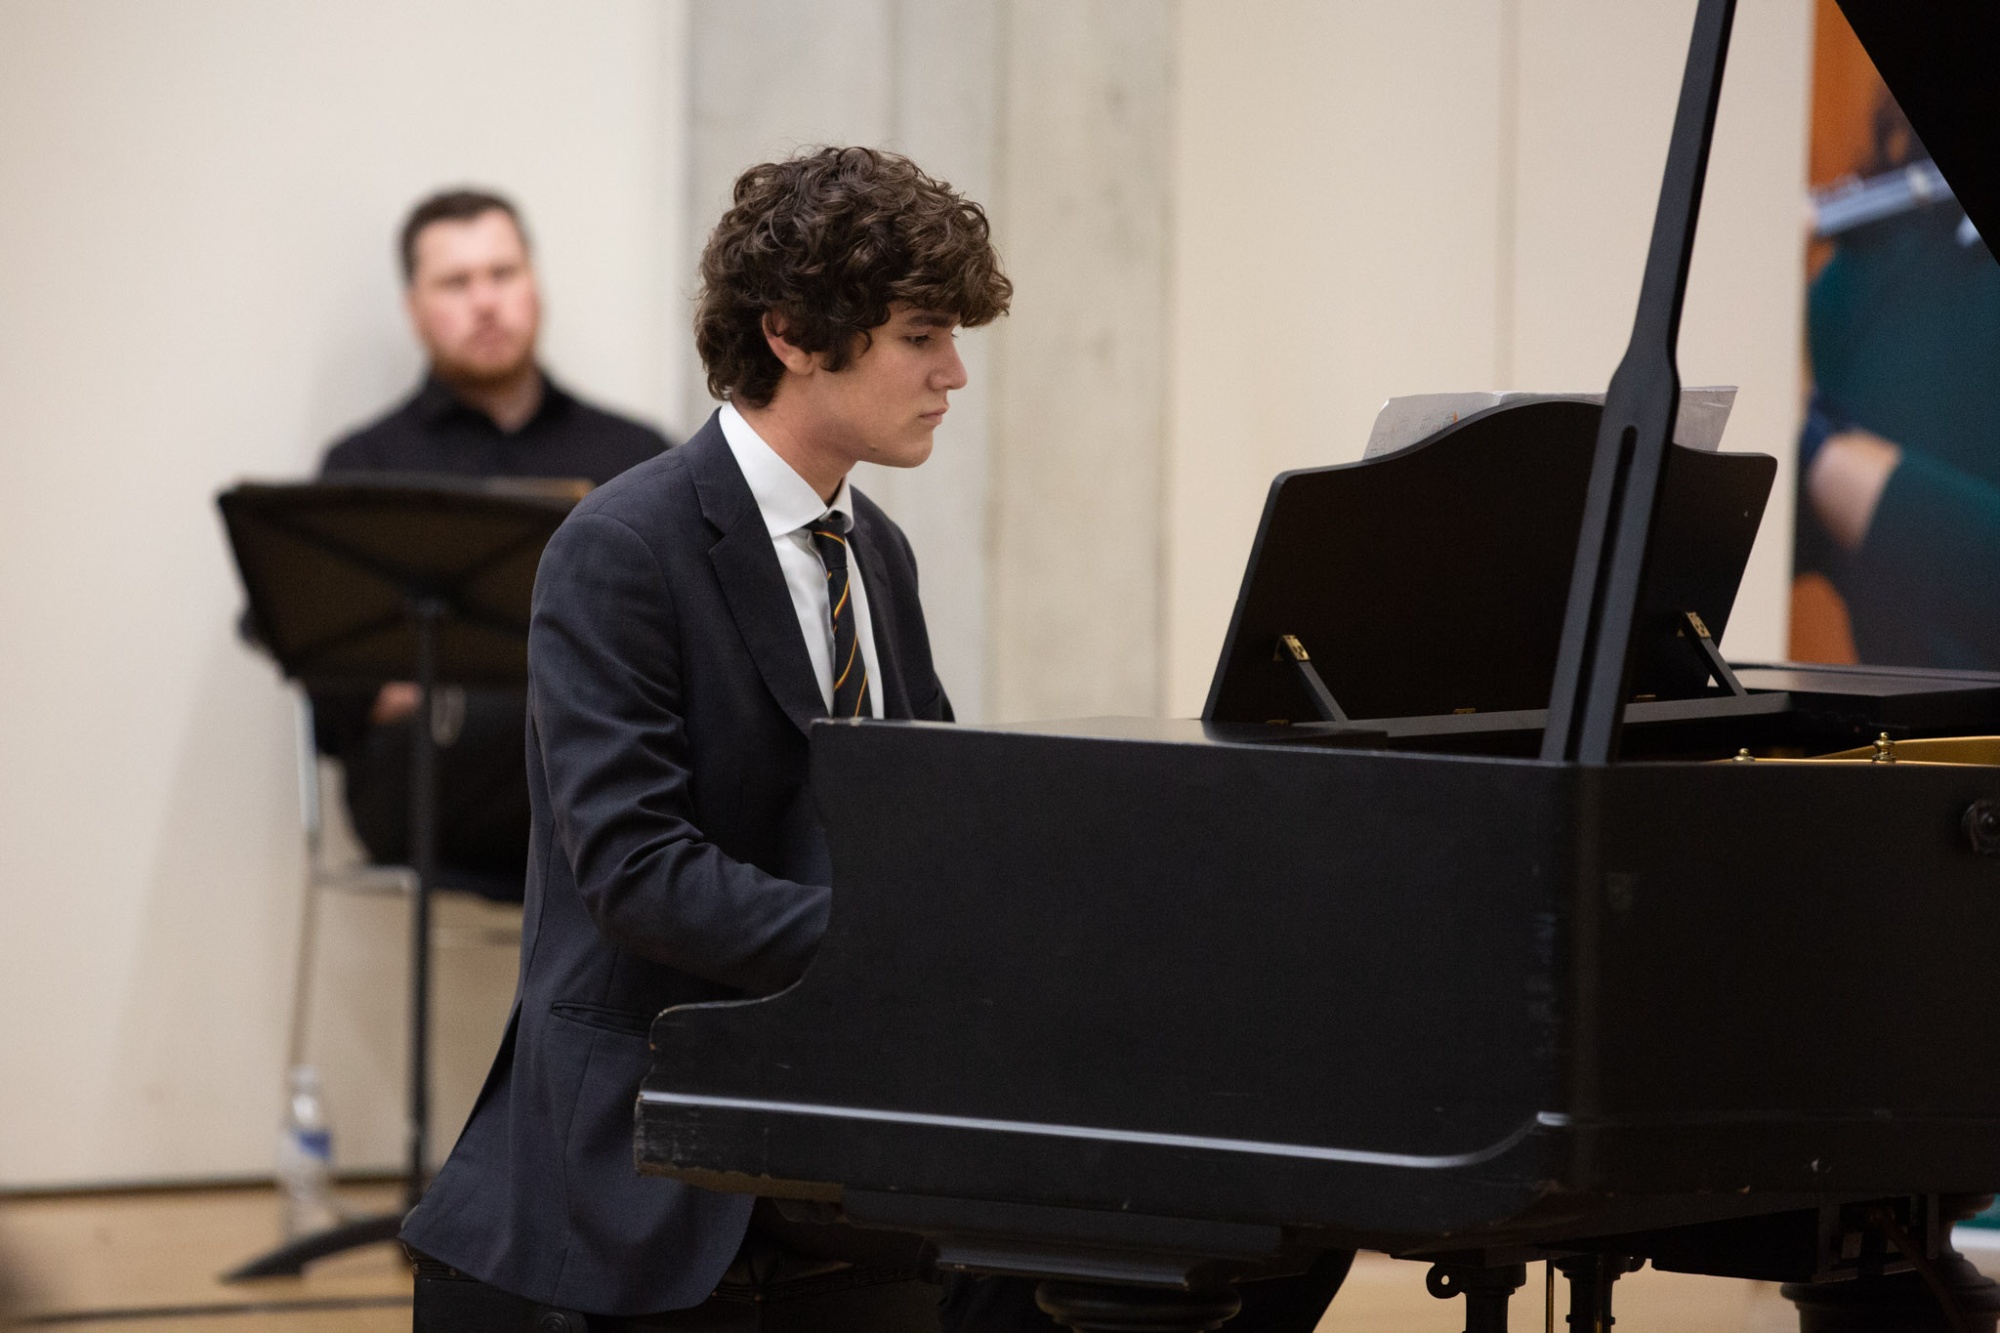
(1941,60)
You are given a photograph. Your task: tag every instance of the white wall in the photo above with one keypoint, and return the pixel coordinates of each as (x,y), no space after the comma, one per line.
(1455,194)
(196,209)
(1597,87)
(770,77)
(1238,225)
(1085,220)
(1037,519)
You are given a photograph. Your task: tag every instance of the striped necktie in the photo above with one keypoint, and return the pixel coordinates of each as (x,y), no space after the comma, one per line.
(850,669)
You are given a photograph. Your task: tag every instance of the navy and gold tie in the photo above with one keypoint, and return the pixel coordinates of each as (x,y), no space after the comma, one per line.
(850,669)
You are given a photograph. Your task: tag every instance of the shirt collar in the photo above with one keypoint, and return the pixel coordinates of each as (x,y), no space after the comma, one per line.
(785,500)
(436,400)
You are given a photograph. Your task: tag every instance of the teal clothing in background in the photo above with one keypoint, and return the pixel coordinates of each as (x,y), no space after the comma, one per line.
(1904,330)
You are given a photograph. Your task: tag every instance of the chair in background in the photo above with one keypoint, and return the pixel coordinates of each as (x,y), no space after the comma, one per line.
(336,862)
(340,868)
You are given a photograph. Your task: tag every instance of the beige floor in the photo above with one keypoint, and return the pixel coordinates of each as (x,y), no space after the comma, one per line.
(123,1255)
(147,1263)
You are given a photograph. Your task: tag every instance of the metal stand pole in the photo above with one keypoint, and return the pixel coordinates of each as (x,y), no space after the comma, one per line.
(290,1259)
(425,613)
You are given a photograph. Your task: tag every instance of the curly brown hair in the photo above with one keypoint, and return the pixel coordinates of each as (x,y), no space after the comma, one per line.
(826,241)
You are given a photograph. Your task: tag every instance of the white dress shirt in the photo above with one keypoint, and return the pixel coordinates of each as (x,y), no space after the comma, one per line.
(788,503)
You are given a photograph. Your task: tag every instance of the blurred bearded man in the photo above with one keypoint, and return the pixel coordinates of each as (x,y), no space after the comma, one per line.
(486,408)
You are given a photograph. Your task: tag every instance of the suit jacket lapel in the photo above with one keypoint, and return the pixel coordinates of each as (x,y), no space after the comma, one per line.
(752,583)
(883,599)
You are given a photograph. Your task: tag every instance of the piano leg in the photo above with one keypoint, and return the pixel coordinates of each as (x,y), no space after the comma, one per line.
(1590,1278)
(1092,1307)
(1945,1295)
(1486,1291)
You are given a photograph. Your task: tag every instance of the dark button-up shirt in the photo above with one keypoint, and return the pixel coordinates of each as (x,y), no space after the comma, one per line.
(482,787)
(1904,328)
(437,431)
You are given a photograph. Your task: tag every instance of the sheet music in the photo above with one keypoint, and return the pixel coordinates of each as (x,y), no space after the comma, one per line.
(1404,421)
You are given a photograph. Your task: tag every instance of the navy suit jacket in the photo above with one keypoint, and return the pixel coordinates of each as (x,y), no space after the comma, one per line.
(675,857)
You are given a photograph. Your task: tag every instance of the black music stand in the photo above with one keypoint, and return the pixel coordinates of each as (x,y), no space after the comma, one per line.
(383,578)
(1481,519)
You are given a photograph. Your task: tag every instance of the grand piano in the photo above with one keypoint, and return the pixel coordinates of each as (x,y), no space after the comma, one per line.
(1487,914)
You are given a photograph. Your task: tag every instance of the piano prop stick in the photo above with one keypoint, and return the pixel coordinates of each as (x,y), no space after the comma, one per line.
(1587,705)
(1449,930)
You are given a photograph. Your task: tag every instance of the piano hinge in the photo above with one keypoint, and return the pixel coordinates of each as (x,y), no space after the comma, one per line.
(1289,649)
(1694,628)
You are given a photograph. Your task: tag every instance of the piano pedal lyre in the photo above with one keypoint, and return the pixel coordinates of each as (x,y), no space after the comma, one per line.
(1486,1290)
(1590,1279)
(1941,1293)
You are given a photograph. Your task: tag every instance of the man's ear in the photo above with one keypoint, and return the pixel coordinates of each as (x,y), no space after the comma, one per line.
(793,357)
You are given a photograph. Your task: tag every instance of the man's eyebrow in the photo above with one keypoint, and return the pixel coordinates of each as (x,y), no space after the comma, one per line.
(932,319)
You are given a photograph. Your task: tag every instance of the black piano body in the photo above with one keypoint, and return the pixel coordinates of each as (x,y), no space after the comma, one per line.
(1562,953)
(1417,1002)
(1395,978)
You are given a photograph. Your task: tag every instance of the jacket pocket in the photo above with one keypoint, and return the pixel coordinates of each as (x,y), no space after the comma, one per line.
(604,1018)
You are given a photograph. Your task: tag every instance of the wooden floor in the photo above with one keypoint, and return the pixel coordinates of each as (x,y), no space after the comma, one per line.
(138,1262)
(149,1261)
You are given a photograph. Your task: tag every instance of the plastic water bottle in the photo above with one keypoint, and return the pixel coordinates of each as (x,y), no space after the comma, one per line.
(305,1157)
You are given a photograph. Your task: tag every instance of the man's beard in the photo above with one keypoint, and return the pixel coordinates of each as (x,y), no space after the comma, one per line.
(484,375)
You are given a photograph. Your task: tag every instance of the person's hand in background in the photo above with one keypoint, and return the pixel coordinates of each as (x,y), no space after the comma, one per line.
(1845,478)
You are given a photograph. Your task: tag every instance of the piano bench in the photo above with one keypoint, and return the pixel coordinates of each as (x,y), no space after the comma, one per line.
(847,1300)
(851,1300)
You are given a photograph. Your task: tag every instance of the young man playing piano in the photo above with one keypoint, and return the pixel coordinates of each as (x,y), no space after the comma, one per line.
(692,619)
